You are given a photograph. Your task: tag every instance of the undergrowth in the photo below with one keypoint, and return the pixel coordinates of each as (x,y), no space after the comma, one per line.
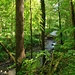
(57,63)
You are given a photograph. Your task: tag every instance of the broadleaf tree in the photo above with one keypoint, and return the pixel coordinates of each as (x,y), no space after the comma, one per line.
(20,51)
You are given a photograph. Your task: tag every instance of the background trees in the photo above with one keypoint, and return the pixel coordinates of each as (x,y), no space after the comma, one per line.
(38,15)
(7,27)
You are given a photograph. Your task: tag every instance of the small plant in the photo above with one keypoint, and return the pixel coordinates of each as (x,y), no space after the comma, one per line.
(34,66)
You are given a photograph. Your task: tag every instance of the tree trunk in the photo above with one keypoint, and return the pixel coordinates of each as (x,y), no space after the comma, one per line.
(61,41)
(31,25)
(73,20)
(20,53)
(43,26)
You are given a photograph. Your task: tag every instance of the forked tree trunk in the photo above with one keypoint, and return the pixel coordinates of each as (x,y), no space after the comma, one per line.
(20,53)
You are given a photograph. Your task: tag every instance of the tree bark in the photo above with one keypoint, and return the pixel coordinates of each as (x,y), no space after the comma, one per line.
(20,53)
(61,41)
(43,26)
(73,20)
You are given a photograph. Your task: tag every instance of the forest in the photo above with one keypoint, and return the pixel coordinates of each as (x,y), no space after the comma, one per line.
(37,37)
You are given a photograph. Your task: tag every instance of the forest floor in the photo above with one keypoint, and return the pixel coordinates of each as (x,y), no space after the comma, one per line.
(4,70)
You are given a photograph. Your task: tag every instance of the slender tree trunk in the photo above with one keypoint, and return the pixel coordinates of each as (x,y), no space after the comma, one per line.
(20,53)
(73,19)
(31,25)
(61,42)
(43,26)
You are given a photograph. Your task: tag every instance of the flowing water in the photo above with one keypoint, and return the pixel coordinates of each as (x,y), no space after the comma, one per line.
(49,45)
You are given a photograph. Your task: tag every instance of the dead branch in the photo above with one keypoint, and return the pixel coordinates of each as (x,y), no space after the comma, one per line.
(7,51)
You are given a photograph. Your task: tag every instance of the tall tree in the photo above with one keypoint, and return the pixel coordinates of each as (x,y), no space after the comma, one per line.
(73,18)
(20,53)
(31,24)
(43,26)
(61,42)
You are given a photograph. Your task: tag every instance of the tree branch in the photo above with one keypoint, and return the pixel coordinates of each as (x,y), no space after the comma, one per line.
(7,51)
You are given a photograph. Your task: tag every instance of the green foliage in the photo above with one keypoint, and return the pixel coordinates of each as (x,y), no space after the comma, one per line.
(64,67)
(3,56)
(7,24)
(67,64)
(12,66)
(34,66)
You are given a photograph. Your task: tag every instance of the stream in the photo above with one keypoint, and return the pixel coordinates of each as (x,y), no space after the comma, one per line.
(49,45)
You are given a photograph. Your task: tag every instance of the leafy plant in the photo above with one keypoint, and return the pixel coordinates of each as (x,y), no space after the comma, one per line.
(34,66)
